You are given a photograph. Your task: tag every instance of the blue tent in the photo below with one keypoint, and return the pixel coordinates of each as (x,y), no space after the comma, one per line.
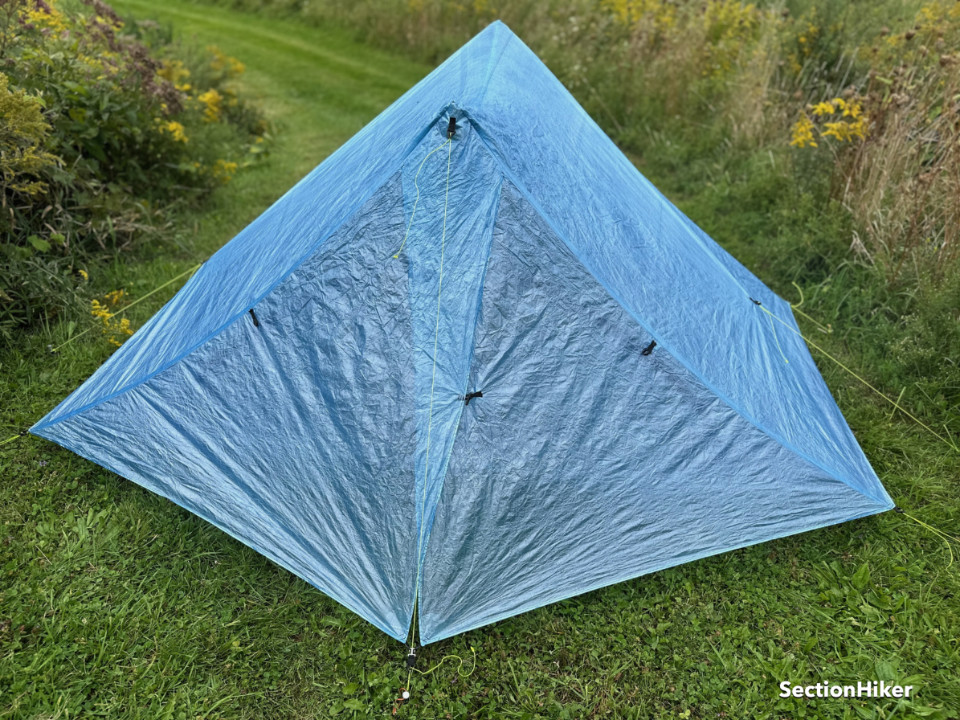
(480,373)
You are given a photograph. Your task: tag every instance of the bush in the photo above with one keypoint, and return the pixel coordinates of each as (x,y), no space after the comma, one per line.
(105,134)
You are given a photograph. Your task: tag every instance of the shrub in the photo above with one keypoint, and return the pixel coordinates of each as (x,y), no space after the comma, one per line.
(101,130)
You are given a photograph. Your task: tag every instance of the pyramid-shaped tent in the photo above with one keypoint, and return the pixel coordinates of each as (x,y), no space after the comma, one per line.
(638,409)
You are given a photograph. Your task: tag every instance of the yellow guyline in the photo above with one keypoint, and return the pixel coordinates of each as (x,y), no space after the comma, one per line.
(946,537)
(127,307)
(433,381)
(118,312)
(416,201)
(448,143)
(895,403)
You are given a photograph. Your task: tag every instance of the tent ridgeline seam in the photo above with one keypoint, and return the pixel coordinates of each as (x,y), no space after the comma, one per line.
(492,67)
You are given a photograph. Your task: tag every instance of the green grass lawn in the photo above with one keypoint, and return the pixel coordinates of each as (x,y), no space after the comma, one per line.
(116,603)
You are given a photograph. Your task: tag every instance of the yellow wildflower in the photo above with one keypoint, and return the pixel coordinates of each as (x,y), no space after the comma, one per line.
(859,128)
(661,15)
(223,170)
(823,108)
(48,18)
(112,329)
(176,130)
(803,133)
(852,109)
(83,273)
(839,130)
(100,312)
(222,62)
(174,71)
(213,102)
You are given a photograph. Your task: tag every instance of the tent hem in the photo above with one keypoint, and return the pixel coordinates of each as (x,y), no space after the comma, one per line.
(693,558)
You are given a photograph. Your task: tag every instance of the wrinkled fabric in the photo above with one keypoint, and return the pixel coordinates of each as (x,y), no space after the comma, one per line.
(453,224)
(296,437)
(526,259)
(585,462)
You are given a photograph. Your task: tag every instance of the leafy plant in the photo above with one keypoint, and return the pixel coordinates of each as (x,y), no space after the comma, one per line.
(95,143)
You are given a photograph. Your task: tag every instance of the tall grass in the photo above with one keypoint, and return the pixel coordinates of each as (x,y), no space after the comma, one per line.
(716,71)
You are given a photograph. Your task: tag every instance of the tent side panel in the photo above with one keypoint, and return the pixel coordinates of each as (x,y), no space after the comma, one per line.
(587,462)
(294,432)
(665,271)
(264,252)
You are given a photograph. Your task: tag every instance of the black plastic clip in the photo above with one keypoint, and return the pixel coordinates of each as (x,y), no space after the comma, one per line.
(22,433)
(649,348)
(755,302)
(898,509)
(471,396)
(52,350)
(412,658)
(452,128)
(256,323)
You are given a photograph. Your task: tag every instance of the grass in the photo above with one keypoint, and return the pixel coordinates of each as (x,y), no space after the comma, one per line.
(116,603)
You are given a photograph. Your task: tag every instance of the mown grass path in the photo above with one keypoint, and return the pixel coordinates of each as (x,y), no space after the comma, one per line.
(115,603)
(317,86)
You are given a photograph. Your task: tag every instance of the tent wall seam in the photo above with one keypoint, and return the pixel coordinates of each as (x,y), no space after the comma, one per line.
(492,66)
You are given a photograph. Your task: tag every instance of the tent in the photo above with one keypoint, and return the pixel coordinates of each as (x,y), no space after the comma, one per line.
(475,362)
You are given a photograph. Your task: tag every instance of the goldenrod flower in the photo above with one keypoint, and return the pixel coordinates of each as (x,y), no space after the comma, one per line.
(839,130)
(223,170)
(823,108)
(803,133)
(45,17)
(176,130)
(111,328)
(213,102)
(859,128)
(174,71)
(852,109)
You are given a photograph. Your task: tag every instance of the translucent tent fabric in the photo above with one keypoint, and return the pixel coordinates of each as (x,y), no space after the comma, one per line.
(526,259)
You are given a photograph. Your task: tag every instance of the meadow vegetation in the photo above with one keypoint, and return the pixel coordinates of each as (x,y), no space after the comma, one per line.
(817,140)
